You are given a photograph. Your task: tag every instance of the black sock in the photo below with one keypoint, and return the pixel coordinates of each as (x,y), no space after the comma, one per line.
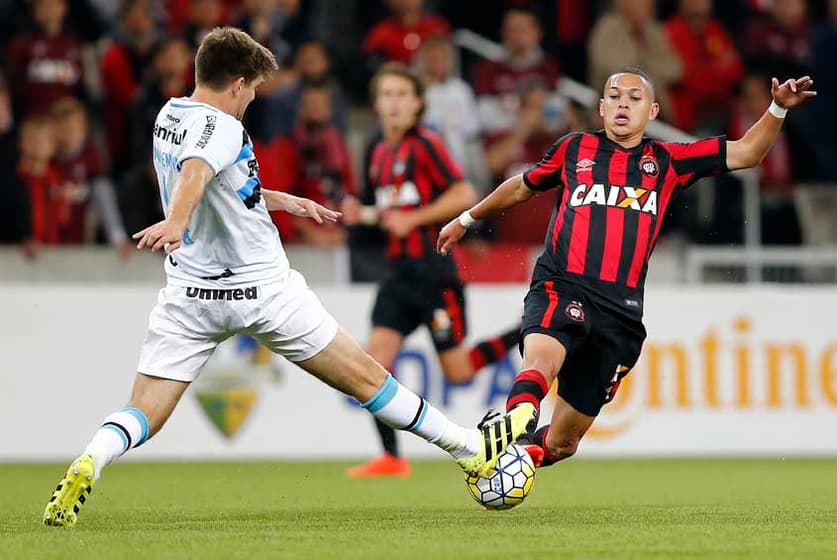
(388,439)
(493,349)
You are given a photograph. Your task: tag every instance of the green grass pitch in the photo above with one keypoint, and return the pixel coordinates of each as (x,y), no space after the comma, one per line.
(599,509)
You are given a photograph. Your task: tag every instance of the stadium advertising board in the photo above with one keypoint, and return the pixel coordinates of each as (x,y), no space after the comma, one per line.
(726,371)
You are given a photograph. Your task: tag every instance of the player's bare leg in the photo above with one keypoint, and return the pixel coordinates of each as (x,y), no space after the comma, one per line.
(461,364)
(456,365)
(346,367)
(384,345)
(559,440)
(152,401)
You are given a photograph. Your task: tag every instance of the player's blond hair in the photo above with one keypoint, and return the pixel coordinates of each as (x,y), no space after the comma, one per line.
(228,53)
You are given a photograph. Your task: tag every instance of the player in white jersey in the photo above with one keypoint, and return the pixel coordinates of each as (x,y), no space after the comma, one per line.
(228,274)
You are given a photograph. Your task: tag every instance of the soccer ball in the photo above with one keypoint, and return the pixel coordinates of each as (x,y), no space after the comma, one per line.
(508,484)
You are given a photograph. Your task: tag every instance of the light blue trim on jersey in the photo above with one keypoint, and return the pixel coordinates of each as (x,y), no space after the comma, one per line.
(187,239)
(196,106)
(165,191)
(245,153)
(383,397)
(248,188)
(143,422)
(121,436)
(424,407)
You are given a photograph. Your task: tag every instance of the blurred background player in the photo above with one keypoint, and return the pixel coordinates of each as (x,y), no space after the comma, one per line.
(414,185)
(583,313)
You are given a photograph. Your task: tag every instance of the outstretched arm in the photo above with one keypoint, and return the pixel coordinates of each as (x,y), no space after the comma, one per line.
(188,190)
(750,149)
(511,192)
(455,199)
(298,206)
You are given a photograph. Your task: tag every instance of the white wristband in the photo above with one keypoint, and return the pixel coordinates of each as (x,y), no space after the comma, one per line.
(776,111)
(466,219)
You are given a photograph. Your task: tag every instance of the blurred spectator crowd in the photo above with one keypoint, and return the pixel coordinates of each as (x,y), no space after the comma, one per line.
(83,80)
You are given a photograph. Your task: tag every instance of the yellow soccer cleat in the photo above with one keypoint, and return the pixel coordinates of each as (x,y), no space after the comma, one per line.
(497,432)
(71,493)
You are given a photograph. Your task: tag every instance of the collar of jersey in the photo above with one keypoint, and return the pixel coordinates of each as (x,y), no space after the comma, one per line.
(186,103)
(603,135)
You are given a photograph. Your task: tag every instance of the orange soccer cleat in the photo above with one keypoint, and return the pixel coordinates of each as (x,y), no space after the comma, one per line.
(385,465)
(536,452)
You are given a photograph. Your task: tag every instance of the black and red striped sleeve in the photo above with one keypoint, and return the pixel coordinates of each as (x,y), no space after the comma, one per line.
(442,168)
(546,174)
(695,160)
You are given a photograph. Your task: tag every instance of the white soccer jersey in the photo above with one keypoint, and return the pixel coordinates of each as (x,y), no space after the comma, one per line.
(231,240)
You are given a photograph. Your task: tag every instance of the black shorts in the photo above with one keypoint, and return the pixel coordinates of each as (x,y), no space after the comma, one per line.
(602,345)
(423,293)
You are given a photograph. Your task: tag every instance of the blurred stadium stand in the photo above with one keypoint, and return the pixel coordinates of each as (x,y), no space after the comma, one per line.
(715,234)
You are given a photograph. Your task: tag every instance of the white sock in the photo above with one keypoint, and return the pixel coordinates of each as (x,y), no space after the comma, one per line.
(397,406)
(121,431)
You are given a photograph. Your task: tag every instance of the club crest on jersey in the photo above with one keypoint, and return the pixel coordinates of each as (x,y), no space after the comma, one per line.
(575,311)
(635,198)
(649,166)
(585,165)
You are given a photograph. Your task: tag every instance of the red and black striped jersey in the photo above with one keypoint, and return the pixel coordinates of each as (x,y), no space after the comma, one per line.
(406,176)
(608,217)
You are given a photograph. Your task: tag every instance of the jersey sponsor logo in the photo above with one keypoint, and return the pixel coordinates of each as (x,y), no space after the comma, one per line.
(208,129)
(236,294)
(584,165)
(172,118)
(635,198)
(171,135)
(405,194)
(575,311)
(649,166)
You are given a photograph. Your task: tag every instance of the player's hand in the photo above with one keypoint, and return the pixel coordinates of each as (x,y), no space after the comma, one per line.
(398,222)
(351,211)
(307,208)
(450,236)
(792,92)
(164,235)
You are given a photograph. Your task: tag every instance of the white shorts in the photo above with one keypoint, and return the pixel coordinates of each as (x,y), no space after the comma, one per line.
(187,324)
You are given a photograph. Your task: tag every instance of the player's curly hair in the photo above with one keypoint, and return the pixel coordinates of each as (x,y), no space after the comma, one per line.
(228,53)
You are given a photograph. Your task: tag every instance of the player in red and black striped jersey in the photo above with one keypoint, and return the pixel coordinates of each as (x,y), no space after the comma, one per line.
(583,312)
(414,186)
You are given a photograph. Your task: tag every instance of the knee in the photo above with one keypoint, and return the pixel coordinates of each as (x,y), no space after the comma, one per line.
(561,445)
(156,418)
